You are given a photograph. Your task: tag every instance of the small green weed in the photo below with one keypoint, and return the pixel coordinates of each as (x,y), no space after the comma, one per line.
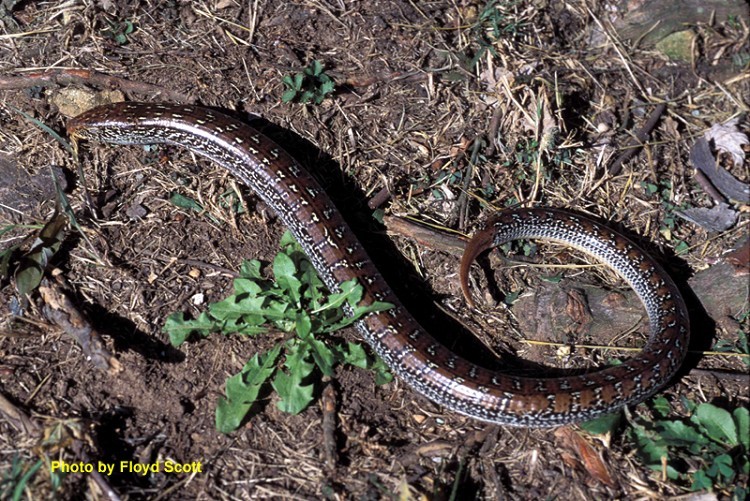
(526,247)
(118,31)
(310,85)
(30,267)
(740,346)
(527,154)
(187,203)
(526,157)
(495,21)
(513,248)
(14,481)
(663,190)
(296,303)
(741,59)
(712,442)
(446,176)
(230,199)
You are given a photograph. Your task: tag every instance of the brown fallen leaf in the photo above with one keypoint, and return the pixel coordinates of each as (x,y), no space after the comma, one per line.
(589,458)
(729,139)
(62,311)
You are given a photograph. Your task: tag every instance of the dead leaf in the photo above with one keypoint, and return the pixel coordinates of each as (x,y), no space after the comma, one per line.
(29,273)
(729,139)
(494,82)
(590,459)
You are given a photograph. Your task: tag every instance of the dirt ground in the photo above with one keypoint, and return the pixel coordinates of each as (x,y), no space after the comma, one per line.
(443,112)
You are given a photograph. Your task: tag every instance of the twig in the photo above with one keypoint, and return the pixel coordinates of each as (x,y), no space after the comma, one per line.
(492,132)
(718,374)
(709,188)
(380,198)
(463,198)
(701,157)
(328,406)
(70,76)
(637,143)
(425,236)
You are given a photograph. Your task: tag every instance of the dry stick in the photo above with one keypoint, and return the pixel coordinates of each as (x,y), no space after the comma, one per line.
(463,198)
(429,238)
(381,197)
(17,418)
(640,137)
(492,131)
(708,187)
(328,406)
(736,377)
(701,158)
(202,264)
(70,76)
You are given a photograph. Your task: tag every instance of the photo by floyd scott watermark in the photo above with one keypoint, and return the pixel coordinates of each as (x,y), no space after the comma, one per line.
(127,467)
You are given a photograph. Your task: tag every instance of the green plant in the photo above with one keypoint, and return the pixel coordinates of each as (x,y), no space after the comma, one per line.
(498,20)
(446,176)
(187,203)
(118,31)
(495,21)
(741,59)
(15,479)
(528,157)
(526,247)
(527,154)
(30,267)
(663,190)
(310,85)
(296,303)
(709,449)
(740,345)
(231,199)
